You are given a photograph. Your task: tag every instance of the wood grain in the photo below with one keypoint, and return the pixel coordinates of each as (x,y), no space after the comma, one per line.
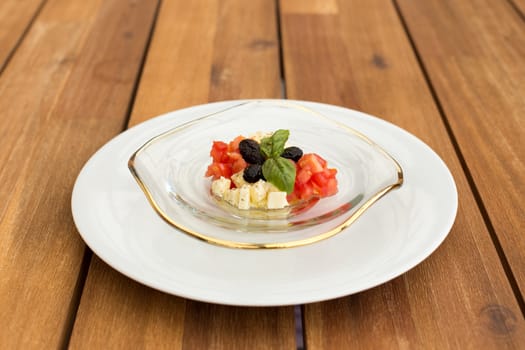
(209,59)
(477,69)
(63,95)
(313,6)
(460,296)
(222,50)
(117,313)
(15,17)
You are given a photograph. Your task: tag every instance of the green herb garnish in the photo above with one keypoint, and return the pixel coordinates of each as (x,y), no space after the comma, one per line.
(277,170)
(273,146)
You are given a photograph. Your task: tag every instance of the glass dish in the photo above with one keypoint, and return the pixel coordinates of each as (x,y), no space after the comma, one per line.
(170,170)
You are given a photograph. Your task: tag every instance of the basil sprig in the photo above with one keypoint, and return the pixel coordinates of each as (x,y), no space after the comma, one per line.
(273,146)
(277,170)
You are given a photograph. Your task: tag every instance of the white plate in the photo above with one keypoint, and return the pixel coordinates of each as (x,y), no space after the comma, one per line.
(398,232)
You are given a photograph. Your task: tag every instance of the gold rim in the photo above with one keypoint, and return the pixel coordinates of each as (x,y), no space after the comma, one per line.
(289,244)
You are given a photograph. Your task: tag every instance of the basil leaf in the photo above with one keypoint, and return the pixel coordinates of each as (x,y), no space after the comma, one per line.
(279,138)
(273,146)
(280,172)
(266,147)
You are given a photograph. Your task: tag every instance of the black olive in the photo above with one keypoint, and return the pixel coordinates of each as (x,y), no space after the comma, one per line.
(251,151)
(293,153)
(253,173)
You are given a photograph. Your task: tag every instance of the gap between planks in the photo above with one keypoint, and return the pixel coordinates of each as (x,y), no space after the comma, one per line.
(141,67)
(88,254)
(281,53)
(75,300)
(22,37)
(518,9)
(484,213)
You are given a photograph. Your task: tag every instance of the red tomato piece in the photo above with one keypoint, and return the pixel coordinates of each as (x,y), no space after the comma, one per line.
(320,160)
(218,151)
(306,191)
(217,170)
(331,187)
(312,162)
(331,173)
(238,165)
(233,156)
(319,179)
(313,178)
(227,159)
(303,176)
(233,146)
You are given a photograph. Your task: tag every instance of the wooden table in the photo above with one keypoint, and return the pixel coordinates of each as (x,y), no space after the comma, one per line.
(75,73)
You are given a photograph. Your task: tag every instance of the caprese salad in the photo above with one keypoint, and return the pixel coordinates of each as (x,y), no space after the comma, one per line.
(262,171)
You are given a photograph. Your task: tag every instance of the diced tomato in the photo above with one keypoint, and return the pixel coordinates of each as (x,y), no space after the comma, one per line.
(331,187)
(238,165)
(320,160)
(227,159)
(233,156)
(219,151)
(332,172)
(234,144)
(217,170)
(313,178)
(303,176)
(319,178)
(311,161)
(304,191)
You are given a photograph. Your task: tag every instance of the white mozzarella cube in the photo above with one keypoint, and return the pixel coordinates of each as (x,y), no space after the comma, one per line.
(244,197)
(277,200)
(238,179)
(258,191)
(232,196)
(270,187)
(220,186)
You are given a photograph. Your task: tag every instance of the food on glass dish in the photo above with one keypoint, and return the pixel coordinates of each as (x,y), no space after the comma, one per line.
(262,172)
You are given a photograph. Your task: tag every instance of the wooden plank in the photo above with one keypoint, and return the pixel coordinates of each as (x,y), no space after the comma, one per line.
(520,5)
(15,17)
(224,63)
(460,296)
(313,6)
(209,59)
(116,312)
(75,70)
(478,71)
